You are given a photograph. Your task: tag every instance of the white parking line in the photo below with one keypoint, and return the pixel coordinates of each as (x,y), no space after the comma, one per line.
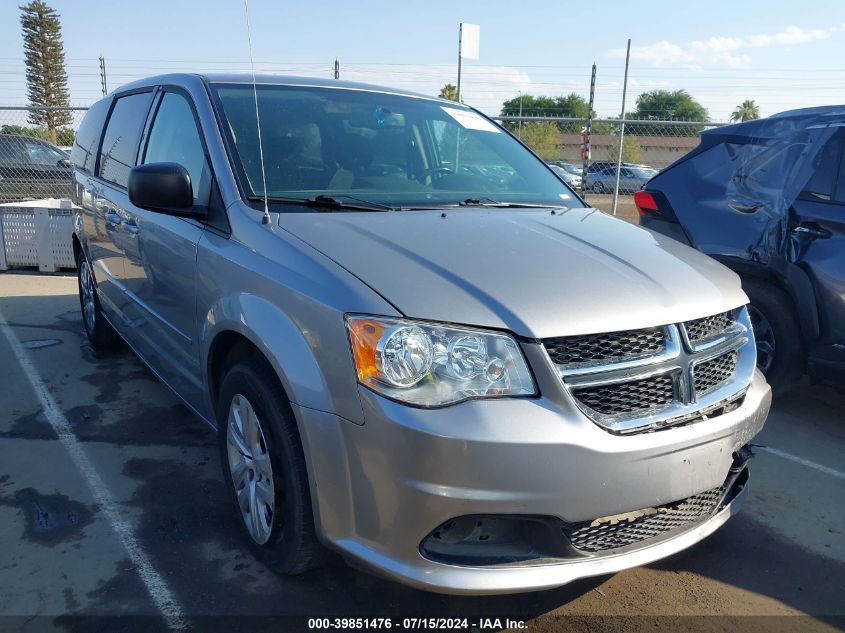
(827,470)
(156,586)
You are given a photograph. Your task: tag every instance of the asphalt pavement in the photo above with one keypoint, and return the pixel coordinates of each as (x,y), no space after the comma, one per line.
(113,516)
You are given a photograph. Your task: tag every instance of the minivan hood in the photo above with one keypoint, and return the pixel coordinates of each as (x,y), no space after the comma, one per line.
(531,272)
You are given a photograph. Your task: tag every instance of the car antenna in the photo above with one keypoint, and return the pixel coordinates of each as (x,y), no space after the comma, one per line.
(265,218)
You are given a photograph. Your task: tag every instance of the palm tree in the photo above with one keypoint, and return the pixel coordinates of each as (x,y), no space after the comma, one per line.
(746,111)
(449,92)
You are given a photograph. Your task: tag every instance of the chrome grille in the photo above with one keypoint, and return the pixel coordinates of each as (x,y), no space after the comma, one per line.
(616,532)
(637,396)
(709,374)
(703,329)
(593,348)
(637,380)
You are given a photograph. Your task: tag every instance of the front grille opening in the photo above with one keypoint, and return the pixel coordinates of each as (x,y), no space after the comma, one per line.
(610,346)
(702,329)
(608,533)
(636,396)
(710,374)
(524,540)
(481,541)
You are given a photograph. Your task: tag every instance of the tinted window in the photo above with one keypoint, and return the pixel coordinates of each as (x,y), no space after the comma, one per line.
(11,151)
(826,169)
(43,154)
(174,138)
(84,153)
(117,155)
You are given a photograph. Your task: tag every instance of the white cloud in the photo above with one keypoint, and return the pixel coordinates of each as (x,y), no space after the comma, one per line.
(722,50)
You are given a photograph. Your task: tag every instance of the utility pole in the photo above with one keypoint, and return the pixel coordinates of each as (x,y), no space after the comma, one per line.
(588,130)
(470,38)
(103,83)
(621,129)
(336,69)
(519,124)
(460,55)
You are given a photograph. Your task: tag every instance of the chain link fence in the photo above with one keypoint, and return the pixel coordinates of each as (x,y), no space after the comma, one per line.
(35,186)
(647,147)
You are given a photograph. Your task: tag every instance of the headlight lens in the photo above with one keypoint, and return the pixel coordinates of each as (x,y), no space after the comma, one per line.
(432,365)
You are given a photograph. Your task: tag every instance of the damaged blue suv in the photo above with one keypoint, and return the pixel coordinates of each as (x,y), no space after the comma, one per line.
(767,198)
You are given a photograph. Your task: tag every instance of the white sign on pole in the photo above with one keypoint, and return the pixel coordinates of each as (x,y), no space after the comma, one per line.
(470,37)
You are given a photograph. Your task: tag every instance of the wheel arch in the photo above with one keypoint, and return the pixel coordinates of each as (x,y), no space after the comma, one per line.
(247,324)
(792,280)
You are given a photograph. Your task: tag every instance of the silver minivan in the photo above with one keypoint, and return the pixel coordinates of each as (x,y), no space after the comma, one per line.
(419,348)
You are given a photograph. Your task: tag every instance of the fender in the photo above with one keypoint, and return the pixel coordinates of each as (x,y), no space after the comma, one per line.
(281,341)
(792,279)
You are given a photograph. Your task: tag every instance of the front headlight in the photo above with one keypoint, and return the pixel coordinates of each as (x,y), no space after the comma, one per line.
(432,365)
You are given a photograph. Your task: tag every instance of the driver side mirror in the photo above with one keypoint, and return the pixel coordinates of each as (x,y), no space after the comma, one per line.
(63,162)
(162,187)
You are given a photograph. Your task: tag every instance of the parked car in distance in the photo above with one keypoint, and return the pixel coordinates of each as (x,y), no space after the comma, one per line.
(416,344)
(767,199)
(31,169)
(602,177)
(568,174)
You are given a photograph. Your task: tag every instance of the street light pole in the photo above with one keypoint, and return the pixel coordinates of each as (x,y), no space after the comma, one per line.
(519,124)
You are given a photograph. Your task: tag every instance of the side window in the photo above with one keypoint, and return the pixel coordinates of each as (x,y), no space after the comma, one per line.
(11,151)
(44,155)
(120,143)
(174,138)
(821,184)
(84,153)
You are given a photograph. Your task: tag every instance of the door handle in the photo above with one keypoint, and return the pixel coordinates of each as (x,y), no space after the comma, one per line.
(113,217)
(812,229)
(130,227)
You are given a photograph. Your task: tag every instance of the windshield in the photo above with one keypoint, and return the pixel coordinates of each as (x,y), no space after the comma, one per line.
(388,149)
(572,169)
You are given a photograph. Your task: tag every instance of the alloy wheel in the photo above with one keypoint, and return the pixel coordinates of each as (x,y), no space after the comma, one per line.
(251,469)
(86,285)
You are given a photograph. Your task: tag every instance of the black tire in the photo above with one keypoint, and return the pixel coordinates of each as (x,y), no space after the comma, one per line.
(598,187)
(780,348)
(292,547)
(100,333)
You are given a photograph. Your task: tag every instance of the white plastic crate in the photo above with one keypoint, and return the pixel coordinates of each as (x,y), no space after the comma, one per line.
(37,234)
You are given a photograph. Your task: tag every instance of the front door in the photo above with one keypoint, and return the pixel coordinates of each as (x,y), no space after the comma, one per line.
(161,254)
(817,233)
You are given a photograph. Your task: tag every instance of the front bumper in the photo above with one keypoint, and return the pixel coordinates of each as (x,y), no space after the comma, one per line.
(382,487)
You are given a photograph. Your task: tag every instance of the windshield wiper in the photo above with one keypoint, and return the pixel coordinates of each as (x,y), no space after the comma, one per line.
(327,202)
(489,202)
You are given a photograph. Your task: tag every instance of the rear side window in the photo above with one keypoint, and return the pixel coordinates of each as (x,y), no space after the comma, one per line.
(84,153)
(175,138)
(11,151)
(120,143)
(826,170)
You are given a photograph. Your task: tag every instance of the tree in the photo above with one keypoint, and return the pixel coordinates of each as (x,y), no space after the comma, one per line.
(668,105)
(746,111)
(449,92)
(630,151)
(569,106)
(64,136)
(543,138)
(44,56)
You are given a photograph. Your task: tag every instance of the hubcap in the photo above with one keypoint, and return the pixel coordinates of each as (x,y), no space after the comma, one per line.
(86,284)
(250,469)
(764,336)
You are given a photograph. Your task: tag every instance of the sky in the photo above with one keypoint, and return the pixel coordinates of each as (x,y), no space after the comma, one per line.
(781,54)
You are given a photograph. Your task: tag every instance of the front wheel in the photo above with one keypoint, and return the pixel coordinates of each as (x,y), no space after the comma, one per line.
(777,333)
(264,468)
